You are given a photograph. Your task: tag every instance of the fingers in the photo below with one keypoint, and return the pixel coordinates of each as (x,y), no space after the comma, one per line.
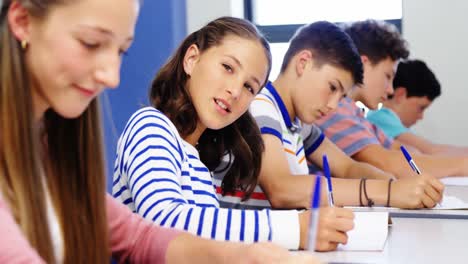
(344,213)
(326,246)
(428,202)
(343,224)
(437,184)
(334,237)
(433,194)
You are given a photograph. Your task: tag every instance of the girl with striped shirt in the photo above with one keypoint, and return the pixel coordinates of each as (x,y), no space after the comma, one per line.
(199,113)
(55,59)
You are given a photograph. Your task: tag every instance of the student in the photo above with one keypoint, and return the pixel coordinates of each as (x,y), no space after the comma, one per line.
(416,87)
(380,46)
(319,67)
(55,58)
(199,100)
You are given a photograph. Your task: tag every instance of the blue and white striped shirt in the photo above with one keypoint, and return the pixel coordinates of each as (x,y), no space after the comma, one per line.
(160,176)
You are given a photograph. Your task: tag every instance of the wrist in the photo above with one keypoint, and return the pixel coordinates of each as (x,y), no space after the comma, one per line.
(377,190)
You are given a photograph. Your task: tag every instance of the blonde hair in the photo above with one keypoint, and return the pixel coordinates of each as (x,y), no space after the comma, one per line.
(67,160)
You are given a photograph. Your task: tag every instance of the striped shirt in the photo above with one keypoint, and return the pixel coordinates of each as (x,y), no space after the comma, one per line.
(161,177)
(350,130)
(298,140)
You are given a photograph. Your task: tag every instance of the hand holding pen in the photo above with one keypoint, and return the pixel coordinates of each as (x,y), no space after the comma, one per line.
(432,190)
(322,229)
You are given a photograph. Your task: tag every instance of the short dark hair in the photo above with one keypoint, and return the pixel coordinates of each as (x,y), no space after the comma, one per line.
(418,80)
(377,40)
(330,45)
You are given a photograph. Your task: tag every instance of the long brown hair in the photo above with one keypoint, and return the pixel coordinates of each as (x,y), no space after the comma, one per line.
(242,138)
(68,161)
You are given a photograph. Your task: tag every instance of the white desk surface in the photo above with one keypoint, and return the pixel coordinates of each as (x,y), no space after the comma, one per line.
(417,240)
(424,241)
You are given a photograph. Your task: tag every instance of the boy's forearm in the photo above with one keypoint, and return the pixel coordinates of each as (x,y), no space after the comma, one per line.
(292,192)
(360,170)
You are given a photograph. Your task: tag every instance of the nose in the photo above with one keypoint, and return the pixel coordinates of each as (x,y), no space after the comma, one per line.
(333,101)
(421,116)
(235,90)
(390,89)
(108,72)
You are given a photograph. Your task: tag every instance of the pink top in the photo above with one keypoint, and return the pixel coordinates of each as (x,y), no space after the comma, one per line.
(132,239)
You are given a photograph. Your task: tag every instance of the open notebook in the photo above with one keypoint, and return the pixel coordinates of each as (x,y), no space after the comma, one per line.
(369,234)
(455,181)
(451,203)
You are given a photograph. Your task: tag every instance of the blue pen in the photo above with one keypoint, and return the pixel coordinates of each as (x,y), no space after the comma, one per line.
(314,218)
(326,169)
(410,160)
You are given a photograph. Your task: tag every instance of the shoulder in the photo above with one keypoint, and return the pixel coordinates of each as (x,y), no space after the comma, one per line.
(149,117)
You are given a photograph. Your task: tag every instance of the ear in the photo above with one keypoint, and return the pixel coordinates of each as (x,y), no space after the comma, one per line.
(399,94)
(19,21)
(302,59)
(192,56)
(365,60)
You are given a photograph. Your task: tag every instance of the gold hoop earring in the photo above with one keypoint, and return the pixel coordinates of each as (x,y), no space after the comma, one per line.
(24,44)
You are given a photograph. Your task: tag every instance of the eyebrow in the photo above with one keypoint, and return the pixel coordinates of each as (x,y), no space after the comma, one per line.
(104,31)
(240,66)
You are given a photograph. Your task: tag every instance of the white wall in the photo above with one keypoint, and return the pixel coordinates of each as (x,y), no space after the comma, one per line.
(200,12)
(437,32)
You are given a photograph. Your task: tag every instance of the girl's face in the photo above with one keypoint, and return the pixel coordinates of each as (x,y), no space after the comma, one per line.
(224,79)
(75,52)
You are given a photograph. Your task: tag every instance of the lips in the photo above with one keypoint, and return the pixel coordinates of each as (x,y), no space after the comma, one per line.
(85,91)
(223,104)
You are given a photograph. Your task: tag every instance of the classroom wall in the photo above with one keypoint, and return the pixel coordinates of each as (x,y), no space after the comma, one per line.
(161,27)
(437,32)
(198,14)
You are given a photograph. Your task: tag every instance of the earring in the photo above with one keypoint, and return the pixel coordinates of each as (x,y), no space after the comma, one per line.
(24,44)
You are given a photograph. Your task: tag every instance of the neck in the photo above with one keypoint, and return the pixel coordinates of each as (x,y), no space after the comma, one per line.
(354,94)
(193,138)
(283,86)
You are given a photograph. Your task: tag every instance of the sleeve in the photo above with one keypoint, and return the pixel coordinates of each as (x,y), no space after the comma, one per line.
(133,239)
(152,162)
(348,132)
(266,115)
(14,246)
(388,122)
(313,137)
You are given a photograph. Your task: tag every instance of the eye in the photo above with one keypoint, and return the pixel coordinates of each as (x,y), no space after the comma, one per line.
(333,88)
(249,88)
(90,45)
(227,67)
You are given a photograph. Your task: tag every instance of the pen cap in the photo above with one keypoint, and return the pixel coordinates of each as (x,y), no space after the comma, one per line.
(405,153)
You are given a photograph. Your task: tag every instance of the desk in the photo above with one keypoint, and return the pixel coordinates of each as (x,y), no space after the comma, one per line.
(417,240)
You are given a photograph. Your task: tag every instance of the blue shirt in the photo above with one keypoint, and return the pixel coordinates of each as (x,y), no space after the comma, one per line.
(388,121)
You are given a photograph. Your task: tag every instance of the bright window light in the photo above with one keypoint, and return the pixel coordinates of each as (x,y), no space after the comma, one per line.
(280,12)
